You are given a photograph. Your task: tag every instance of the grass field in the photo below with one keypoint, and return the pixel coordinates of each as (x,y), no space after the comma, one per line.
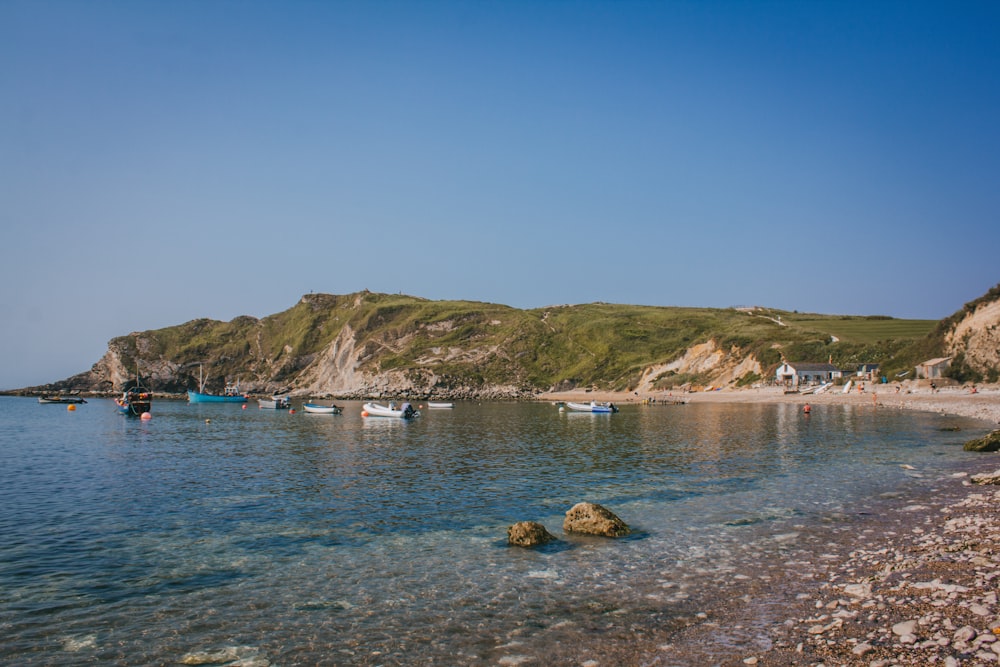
(863,329)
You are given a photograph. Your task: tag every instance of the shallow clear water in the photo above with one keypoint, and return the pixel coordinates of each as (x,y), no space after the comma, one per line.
(218,533)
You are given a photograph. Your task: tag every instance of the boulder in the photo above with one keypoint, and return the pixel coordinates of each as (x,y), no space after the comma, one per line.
(592,519)
(528,534)
(986,478)
(988,443)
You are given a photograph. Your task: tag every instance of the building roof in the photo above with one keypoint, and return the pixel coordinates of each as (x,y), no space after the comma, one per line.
(935,362)
(803,366)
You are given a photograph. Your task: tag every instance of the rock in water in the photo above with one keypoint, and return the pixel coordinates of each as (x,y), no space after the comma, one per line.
(592,519)
(528,534)
(986,478)
(988,443)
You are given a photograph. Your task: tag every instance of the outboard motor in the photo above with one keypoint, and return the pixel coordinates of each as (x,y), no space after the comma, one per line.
(408,411)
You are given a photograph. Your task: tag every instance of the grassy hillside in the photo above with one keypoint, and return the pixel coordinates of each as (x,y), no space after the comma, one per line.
(462,344)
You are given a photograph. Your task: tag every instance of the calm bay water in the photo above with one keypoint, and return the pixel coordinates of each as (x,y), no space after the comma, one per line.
(217,534)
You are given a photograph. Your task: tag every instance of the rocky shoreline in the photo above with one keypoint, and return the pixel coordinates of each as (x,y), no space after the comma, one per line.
(916,585)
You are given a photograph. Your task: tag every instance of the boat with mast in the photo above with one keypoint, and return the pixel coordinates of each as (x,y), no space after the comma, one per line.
(230,394)
(136,400)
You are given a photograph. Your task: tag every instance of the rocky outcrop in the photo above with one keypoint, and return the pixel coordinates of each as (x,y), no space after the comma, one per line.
(528,534)
(977,337)
(988,443)
(707,359)
(593,519)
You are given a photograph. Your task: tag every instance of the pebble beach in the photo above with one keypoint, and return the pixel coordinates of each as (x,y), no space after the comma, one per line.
(918,585)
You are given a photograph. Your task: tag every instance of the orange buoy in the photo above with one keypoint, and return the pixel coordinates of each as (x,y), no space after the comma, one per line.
(145,416)
(71,407)
(807,409)
(364,413)
(292,411)
(244,406)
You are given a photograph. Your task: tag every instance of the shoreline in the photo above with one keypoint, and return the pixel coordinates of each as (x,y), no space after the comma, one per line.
(915,585)
(983,405)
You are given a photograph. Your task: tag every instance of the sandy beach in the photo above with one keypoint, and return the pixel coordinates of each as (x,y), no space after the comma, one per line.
(984,404)
(918,585)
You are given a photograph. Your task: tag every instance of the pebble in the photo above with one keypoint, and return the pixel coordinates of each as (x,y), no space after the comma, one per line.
(925,596)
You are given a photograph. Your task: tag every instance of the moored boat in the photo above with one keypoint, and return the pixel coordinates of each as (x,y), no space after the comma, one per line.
(593,406)
(199,397)
(231,393)
(135,401)
(317,409)
(275,403)
(60,399)
(405,411)
(439,406)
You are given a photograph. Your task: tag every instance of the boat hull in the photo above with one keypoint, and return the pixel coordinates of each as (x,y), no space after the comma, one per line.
(197,397)
(592,407)
(274,403)
(376,410)
(314,409)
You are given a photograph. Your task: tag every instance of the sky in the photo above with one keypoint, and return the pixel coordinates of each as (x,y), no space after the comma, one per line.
(163,161)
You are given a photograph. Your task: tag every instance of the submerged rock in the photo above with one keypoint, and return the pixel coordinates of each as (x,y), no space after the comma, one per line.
(986,478)
(528,534)
(988,443)
(592,519)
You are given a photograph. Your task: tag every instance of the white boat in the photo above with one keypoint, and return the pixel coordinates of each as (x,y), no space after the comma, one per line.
(316,409)
(439,406)
(275,403)
(847,387)
(405,411)
(593,406)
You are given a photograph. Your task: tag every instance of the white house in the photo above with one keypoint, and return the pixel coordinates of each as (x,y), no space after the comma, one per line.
(793,374)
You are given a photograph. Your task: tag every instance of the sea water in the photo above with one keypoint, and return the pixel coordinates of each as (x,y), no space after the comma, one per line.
(218,534)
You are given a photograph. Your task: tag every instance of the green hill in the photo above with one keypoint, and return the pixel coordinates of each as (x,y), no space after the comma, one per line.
(370,344)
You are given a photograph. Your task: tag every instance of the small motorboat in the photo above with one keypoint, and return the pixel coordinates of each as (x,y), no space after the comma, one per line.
(60,399)
(593,406)
(275,403)
(439,406)
(317,409)
(405,411)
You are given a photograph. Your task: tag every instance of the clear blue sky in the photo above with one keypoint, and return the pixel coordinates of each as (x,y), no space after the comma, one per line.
(166,161)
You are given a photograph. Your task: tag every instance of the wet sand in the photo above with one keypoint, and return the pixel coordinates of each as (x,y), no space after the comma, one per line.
(916,584)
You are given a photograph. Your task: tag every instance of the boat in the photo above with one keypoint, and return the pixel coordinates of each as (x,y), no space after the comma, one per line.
(231,393)
(317,409)
(60,399)
(134,401)
(593,406)
(275,403)
(405,411)
(439,406)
